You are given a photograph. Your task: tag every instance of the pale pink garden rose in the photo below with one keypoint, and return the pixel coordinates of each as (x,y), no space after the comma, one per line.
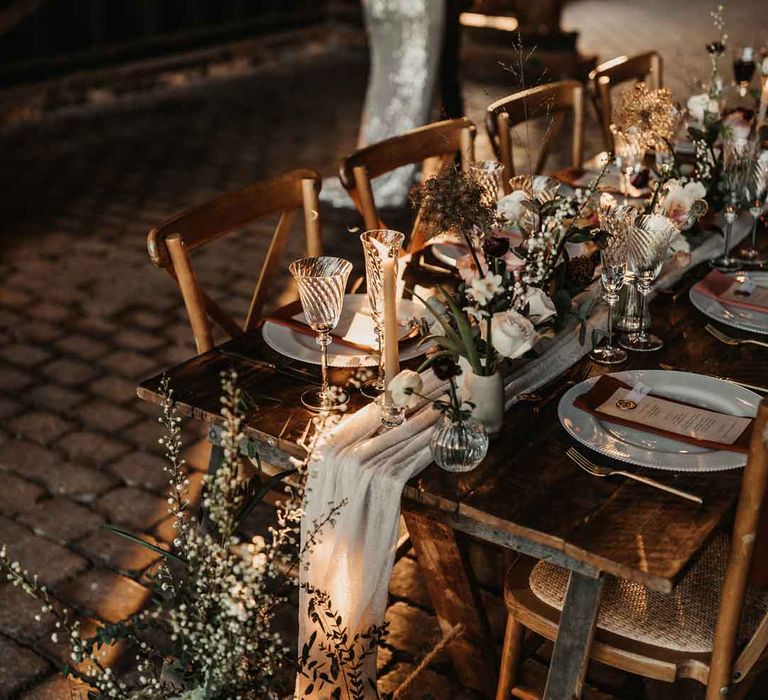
(512,262)
(512,334)
(679,200)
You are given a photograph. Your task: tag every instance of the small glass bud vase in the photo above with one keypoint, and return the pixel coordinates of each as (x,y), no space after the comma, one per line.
(458,445)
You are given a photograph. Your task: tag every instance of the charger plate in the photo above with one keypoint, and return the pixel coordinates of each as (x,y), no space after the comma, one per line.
(647,449)
(734,316)
(299,346)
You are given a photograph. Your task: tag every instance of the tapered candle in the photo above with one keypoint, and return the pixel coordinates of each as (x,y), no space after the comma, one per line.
(389,287)
(763,101)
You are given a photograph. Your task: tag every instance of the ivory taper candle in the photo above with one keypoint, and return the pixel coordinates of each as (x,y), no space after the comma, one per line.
(763,100)
(389,287)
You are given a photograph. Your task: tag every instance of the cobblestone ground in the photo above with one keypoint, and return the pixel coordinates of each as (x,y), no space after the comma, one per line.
(84,316)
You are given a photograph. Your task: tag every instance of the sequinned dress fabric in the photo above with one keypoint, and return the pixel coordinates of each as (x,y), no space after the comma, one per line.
(405,39)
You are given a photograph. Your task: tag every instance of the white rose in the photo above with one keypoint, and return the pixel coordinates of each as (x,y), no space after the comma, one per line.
(512,334)
(540,306)
(483,289)
(697,106)
(404,387)
(512,208)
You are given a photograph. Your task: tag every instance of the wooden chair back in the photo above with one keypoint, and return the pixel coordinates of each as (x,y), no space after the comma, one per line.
(751,515)
(553,100)
(645,67)
(170,243)
(434,145)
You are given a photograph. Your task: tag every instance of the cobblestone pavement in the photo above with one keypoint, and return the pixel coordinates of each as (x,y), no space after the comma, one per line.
(84,316)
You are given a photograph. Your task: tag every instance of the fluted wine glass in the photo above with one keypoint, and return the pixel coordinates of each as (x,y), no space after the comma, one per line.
(321,282)
(617,222)
(737,164)
(629,148)
(757,193)
(647,245)
(488,174)
(378,243)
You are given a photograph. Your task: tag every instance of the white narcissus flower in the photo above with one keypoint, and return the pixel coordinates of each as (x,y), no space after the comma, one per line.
(512,334)
(678,200)
(484,289)
(403,386)
(540,306)
(697,106)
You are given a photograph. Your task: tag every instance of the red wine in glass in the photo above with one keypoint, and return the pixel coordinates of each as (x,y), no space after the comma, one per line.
(744,68)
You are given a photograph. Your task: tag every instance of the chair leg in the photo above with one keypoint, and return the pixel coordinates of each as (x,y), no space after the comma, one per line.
(510,658)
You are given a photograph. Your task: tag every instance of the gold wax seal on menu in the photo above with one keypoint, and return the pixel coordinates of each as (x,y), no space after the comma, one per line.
(626,404)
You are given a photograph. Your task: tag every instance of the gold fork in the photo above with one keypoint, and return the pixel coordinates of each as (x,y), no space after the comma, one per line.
(595,470)
(728,340)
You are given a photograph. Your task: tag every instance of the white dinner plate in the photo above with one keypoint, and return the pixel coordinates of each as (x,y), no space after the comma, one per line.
(735,316)
(299,346)
(448,252)
(647,449)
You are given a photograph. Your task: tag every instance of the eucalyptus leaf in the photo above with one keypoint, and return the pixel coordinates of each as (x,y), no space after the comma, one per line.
(143,543)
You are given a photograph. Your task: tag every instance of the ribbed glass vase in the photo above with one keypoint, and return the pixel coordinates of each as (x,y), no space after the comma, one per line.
(458,445)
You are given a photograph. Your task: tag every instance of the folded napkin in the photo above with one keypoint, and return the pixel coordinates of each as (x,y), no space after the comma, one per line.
(612,400)
(353,559)
(734,291)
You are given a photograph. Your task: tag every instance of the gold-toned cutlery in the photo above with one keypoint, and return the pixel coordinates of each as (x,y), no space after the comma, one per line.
(729,340)
(573,377)
(595,470)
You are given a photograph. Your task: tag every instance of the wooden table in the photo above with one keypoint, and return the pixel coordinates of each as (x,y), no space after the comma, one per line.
(525,496)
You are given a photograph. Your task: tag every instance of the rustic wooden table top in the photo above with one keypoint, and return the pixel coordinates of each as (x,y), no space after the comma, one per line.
(526,488)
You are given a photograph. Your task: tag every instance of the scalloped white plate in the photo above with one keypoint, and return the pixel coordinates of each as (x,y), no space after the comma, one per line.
(734,316)
(647,449)
(299,346)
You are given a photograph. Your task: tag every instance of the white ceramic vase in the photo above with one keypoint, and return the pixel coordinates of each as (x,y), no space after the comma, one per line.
(487,393)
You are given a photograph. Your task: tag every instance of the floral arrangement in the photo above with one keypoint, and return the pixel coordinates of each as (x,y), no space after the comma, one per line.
(514,276)
(651,112)
(208,633)
(407,387)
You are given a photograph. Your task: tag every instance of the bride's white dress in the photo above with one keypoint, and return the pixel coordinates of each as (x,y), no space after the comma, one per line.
(405,38)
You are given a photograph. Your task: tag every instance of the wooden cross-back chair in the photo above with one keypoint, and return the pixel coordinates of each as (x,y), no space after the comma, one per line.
(434,145)
(554,100)
(729,665)
(645,67)
(170,243)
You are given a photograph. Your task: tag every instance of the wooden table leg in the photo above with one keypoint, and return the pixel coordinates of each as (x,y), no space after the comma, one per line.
(456,599)
(215,460)
(574,638)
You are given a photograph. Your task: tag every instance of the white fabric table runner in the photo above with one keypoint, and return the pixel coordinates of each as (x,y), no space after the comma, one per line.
(353,560)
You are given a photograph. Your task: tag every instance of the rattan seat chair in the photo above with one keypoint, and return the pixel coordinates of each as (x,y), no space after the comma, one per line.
(712,627)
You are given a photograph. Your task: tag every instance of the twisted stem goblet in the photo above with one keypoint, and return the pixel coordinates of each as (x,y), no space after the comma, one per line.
(629,148)
(488,174)
(647,245)
(376,244)
(737,164)
(757,190)
(321,282)
(617,223)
